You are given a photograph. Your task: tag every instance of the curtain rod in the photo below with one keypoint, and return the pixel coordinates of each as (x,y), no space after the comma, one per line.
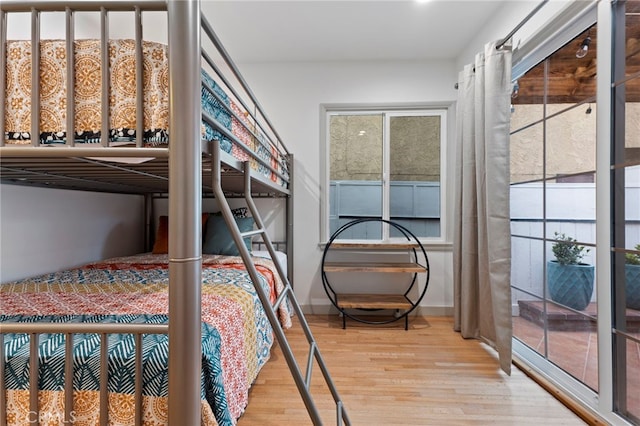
(524,21)
(517,27)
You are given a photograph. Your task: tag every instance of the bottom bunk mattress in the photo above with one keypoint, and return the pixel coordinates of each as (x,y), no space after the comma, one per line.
(236,337)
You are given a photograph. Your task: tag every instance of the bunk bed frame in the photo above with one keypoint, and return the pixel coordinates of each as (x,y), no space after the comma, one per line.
(187,171)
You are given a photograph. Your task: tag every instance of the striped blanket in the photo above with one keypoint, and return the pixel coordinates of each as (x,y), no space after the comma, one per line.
(236,337)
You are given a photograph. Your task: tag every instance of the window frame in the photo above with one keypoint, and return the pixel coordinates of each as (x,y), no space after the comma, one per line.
(387,112)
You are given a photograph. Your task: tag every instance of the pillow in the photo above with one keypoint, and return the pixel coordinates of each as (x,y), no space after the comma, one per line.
(218,240)
(161,242)
(240,212)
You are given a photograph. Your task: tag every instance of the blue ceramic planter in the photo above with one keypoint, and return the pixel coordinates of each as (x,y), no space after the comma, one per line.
(632,279)
(570,285)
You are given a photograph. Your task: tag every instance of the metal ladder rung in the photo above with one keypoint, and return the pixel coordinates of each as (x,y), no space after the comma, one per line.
(252,233)
(312,352)
(303,384)
(282,297)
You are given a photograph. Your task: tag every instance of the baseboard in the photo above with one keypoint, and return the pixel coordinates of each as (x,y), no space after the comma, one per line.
(329,309)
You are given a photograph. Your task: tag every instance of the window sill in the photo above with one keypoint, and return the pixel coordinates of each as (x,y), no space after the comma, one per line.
(387,245)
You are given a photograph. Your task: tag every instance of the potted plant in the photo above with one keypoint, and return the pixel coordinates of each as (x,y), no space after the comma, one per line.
(632,278)
(570,280)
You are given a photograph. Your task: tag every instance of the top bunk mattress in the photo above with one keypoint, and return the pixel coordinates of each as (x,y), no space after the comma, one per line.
(247,143)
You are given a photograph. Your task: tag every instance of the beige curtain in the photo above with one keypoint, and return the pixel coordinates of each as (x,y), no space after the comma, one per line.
(482,243)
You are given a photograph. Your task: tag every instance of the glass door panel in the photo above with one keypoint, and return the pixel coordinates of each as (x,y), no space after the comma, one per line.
(553,163)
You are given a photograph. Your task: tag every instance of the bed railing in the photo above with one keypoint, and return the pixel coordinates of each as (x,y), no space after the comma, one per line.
(35,329)
(257,110)
(254,123)
(185,174)
(185,28)
(35,9)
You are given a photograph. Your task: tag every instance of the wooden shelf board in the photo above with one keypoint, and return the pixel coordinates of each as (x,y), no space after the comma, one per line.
(373,267)
(372,301)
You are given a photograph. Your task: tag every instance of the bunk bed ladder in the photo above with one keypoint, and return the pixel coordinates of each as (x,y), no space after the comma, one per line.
(303,383)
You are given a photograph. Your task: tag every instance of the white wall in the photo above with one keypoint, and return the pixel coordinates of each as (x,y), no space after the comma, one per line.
(291,94)
(44,230)
(506,19)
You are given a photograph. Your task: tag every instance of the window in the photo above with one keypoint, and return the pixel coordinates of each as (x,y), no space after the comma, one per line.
(384,164)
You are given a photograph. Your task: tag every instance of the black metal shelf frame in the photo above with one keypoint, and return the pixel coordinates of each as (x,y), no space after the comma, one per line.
(331,293)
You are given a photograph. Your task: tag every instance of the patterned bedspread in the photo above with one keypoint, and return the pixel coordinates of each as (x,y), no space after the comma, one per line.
(122,100)
(236,336)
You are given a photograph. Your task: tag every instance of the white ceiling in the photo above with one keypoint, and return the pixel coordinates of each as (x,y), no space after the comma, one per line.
(340,30)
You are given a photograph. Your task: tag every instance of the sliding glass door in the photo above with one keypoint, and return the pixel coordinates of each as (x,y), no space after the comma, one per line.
(625,193)
(562,212)
(553,199)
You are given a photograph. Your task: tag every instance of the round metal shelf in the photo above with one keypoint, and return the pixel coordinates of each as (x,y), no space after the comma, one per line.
(404,302)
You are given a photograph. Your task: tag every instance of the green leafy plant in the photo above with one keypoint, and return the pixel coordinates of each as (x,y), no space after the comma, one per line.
(633,258)
(567,251)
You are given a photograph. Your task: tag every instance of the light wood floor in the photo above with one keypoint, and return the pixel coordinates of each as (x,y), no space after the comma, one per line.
(385,375)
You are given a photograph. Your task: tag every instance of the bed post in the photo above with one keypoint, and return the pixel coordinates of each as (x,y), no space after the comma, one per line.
(148,222)
(289,220)
(3,70)
(185,207)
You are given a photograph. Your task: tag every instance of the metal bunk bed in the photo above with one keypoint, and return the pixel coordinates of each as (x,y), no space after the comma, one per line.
(183,173)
